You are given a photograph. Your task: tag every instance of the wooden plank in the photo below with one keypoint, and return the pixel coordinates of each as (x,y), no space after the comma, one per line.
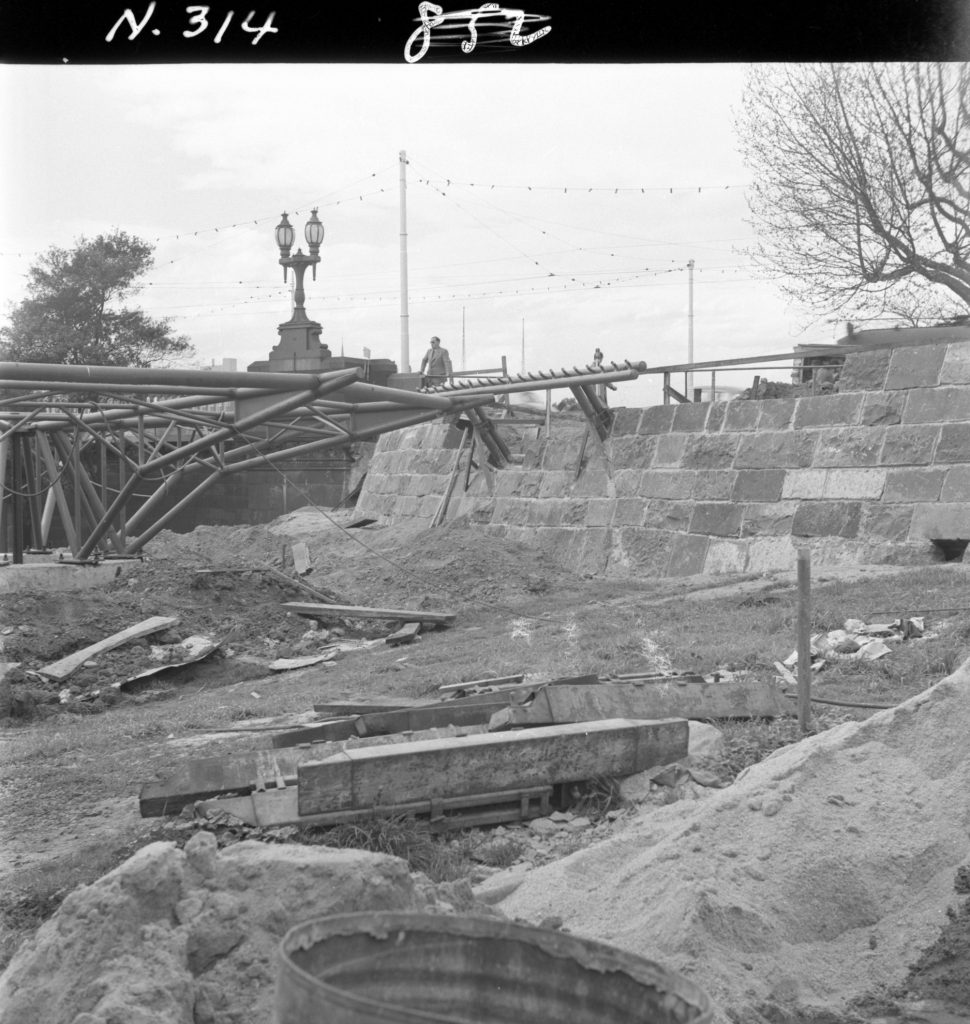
(274,808)
(427,769)
(479,683)
(677,697)
(208,777)
(65,666)
(340,709)
(404,635)
(382,723)
(346,611)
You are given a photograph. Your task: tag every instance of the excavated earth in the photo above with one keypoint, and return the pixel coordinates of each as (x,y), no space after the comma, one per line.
(828,884)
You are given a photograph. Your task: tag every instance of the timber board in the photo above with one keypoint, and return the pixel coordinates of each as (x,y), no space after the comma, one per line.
(429,769)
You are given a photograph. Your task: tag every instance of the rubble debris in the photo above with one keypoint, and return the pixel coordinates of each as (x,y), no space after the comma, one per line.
(190,650)
(301,558)
(405,635)
(287,664)
(65,666)
(858,641)
(346,611)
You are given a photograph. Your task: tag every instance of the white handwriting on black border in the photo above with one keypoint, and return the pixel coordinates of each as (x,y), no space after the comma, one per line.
(197,18)
(470,19)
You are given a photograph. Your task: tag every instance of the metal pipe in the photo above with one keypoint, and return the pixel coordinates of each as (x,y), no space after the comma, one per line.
(554,381)
(189,380)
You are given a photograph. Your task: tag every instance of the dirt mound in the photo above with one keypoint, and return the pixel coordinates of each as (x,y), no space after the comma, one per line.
(816,879)
(189,937)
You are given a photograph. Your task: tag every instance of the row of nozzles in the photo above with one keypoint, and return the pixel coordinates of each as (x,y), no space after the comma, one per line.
(538,376)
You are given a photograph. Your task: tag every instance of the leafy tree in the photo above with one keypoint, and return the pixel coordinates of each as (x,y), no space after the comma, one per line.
(74,310)
(861,194)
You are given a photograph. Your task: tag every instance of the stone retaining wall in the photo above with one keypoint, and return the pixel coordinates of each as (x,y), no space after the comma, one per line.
(872,474)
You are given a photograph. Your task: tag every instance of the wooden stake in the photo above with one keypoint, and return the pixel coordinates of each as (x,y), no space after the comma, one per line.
(804,637)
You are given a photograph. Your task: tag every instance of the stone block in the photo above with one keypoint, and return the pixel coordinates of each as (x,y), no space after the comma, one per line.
(804,483)
(909,446)
(626,421)
(915,367)
(950,521)
(954,443)
(709,451)
(771,554)
(849,446)
(645,550)
(776,450)
(560,453)
(670,449)
(555,483)
(768,519)
(855,483)
(687,554)
(742,414)
(690,416)
(865,371)
(626,482)
(511,511)
(716,518)
(532,454)
(628,512)
(776,413)
(656,419)
(662,514)
(507,484)
(593,481)
(726,556)
(956,486)
(758,485)
(828,410)
(716,417)
(913,484)
(956,364)
(886,522)
(714,484)
(827,519)
(881,410)
(530,482)
(633,451)
(597,544)
(599,511)
(545,512)
(938,405)
(430,504)
(658,483)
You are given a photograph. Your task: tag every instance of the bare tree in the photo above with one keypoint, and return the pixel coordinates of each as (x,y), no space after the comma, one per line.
(861,191)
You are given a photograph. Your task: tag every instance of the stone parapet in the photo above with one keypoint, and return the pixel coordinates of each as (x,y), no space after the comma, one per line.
(875,473)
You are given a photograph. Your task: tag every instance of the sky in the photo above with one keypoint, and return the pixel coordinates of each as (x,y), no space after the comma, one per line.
(551,209)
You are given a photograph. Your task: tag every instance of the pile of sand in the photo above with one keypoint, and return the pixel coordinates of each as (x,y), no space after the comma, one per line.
(190,937)
(817,877)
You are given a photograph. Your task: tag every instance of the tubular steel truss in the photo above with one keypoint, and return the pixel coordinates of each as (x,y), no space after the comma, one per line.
(101,448)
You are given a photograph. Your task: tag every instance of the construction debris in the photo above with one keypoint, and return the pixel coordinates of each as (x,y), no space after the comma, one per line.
(190,650)
(857,641)
(65,666)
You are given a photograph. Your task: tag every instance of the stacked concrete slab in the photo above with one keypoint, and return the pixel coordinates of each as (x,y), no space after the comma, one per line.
(872,474)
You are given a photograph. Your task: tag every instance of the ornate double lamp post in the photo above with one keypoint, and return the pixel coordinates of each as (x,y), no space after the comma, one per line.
(299,333)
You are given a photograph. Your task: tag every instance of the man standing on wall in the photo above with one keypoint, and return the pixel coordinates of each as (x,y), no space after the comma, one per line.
(438,364)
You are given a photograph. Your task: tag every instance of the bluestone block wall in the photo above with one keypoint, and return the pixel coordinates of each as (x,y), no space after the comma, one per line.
(872,474)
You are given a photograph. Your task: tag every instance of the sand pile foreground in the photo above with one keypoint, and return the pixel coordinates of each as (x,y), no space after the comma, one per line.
(819,876)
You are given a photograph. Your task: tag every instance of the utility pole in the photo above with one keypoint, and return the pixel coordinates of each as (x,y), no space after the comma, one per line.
(405,345)
(690,329)
(463,365)
(523,344)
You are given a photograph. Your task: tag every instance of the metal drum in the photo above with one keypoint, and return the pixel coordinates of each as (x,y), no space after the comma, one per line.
(415,968)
